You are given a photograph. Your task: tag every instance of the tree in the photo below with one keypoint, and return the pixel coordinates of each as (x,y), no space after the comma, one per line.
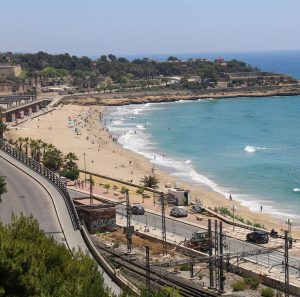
(112,57)
(26,144)
(70,169)
(19,143)
(172,59)
(33,264)
(140,191)
(3,188)
(107,186)
(123,190)
(3,129)
(150,181)
(53,159)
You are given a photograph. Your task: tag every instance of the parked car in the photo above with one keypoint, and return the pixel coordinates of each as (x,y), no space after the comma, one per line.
(258,237)
(178,211)
(137,210)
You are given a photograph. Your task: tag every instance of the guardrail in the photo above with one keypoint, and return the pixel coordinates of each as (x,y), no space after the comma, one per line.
(48,174)
(241,225)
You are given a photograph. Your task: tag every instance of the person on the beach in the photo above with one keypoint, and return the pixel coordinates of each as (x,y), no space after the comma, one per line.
(261,208)
(230,197)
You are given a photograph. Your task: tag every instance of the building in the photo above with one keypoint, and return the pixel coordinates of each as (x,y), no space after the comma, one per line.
(7,70)
(178,196)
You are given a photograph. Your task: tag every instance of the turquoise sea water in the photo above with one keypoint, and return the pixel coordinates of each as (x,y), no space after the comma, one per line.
(246,147)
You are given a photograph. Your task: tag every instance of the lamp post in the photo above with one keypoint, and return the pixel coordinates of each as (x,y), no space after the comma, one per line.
(84,154)
(233,208)
(289,223)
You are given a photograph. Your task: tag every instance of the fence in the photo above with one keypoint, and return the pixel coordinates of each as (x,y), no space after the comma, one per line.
(46,173)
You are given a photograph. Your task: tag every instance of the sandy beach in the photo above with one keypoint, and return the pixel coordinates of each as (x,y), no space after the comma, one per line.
(105,156)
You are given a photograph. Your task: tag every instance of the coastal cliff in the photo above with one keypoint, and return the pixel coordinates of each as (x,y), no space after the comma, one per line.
(157,96)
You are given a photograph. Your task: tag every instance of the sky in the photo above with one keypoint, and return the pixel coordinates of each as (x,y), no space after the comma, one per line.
(95,27)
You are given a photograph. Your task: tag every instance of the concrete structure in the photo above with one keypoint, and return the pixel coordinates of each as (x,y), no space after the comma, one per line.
(20,106)
(257,74)
(178,196)
(7,102)
(7,70)
(98,217)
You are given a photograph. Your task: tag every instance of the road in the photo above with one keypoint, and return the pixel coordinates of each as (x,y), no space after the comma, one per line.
(27,194)
(180,230)
(24,197)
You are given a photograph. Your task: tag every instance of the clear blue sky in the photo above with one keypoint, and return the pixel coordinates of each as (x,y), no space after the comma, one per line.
(93,27)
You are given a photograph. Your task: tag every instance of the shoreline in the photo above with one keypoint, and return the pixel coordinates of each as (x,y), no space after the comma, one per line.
(197,179)
(161,96)
(105,156)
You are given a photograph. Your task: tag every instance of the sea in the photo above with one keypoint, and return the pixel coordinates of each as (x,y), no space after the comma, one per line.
(244,147)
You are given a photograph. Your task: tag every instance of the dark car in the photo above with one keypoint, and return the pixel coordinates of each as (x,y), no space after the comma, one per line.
(258,237)
(137,210)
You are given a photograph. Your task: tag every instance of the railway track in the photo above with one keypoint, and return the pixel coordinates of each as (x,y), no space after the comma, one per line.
(159,278)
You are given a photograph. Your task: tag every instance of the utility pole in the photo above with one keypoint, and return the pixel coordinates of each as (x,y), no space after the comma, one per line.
(192,268)
(84,154)
(148,269)
(91,190)
(210,253)
(163,223)
(129,230)
(216,255)
(286,264)
(221,270)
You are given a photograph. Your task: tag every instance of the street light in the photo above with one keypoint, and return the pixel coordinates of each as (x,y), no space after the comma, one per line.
(289,223)
(233,208)
(84,154)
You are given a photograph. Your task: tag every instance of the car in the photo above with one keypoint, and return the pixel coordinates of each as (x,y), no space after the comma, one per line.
(258,237)
(137,210)
(178,211)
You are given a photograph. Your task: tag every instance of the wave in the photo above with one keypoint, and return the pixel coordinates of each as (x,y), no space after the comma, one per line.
(141,127)
(117,122)
(253,149)
(296,190)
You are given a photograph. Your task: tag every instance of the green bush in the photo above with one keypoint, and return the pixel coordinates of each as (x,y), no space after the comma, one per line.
(33,264)
(184,267)
(252,282)
(238,286)
(267,292)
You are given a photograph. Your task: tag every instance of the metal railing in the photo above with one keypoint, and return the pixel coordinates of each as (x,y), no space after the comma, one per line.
(48,174)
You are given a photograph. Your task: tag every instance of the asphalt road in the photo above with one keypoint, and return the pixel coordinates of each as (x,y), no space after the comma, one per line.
(182,230)
(25,196)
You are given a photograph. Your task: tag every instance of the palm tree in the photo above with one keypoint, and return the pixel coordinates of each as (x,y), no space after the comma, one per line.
(39,143)
(70,159)
(26,144)
(3,129)
(19,143)
(150,181)
(33,148)
(140,191)
(53,159)
(44,146)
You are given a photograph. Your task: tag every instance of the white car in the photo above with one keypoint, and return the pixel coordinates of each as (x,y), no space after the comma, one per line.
(178,211)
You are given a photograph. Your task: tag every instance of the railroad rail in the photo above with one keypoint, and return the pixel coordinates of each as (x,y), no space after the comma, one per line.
(159,278)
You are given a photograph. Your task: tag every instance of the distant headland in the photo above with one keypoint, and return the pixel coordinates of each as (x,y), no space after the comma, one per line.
(136,81)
